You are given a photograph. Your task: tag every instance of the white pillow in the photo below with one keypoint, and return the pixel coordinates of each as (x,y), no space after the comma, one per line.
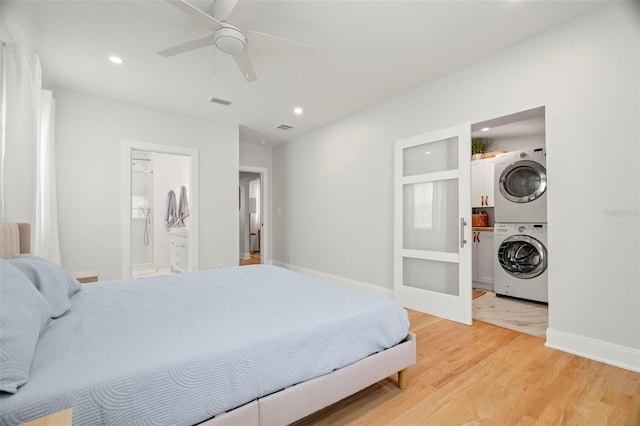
(24,314)
(55,284)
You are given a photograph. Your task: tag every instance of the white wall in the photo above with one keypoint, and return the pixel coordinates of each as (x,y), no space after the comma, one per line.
(89,133)
(255,155)
(339,177)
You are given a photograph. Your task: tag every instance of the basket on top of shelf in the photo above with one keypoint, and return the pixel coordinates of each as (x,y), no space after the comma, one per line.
(480,220)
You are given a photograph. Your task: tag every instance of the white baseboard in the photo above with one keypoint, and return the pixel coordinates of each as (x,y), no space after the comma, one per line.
(359,285)
(597,350)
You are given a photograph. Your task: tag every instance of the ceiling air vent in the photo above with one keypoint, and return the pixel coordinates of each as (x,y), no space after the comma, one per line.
(220,101)
(284,127)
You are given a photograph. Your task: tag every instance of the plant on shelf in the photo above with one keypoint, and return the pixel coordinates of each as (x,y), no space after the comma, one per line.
(479,146)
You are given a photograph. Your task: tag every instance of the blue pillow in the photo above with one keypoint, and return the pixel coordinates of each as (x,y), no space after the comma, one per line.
(24,314)
(55,284)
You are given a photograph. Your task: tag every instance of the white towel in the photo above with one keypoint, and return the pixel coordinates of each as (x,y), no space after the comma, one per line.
(172,218)
(183,209)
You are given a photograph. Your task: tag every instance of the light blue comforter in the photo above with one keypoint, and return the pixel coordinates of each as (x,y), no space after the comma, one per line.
(179,349)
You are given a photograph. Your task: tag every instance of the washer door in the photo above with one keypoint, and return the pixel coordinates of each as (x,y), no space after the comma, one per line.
(523,181)
(522,256)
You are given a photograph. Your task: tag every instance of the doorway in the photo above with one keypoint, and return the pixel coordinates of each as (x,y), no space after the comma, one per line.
(512,236)
(252,216)
(159,209)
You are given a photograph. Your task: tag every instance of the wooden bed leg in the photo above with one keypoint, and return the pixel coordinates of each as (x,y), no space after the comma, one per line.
(402,378)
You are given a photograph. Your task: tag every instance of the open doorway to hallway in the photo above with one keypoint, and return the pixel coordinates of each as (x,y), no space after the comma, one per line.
(251,217)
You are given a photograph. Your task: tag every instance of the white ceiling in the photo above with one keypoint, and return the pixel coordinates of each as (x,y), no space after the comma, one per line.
(368,51)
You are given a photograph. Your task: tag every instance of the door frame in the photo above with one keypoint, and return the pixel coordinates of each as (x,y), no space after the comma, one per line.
(457,308)
(265,233)
(128,146)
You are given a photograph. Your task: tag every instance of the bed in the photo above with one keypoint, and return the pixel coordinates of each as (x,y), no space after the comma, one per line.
(252,345)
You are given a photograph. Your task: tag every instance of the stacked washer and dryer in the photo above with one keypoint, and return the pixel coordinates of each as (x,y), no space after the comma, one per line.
(520,231)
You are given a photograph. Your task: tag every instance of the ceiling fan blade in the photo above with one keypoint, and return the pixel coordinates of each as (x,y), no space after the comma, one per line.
(195,13)
(244,63)
(224,8)
(268,41)
(188,46)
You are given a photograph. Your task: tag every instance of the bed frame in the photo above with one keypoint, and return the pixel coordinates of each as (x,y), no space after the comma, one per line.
(292,403)
(298,401)
(15,238)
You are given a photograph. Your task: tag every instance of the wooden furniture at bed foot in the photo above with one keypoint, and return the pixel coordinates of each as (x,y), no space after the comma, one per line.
(60,418)
(86,276)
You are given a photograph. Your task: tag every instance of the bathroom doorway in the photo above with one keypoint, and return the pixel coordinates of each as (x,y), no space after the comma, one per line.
(252,215)
(160,215)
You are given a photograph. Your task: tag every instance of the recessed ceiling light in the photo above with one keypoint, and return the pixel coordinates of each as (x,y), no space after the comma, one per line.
(484,129)
(297,111)
(263,142)
(427,152)
(115,60)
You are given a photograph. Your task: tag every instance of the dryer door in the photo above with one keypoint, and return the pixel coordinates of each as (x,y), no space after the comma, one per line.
(522,256)
(523,181)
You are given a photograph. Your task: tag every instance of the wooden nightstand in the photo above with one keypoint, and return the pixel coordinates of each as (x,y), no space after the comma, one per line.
(61,418)
(86,276)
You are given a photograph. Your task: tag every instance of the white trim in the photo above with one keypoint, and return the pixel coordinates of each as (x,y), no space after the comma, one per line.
(358,285)
(438,256)
(265,195)
(125,194)
(597,350)
(3,122)
(431,177)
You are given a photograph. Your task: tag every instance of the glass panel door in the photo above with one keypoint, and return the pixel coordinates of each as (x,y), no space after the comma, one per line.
(432,267)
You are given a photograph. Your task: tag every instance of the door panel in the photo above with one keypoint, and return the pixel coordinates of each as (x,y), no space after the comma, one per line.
(432,266)
(443,276)
(430,157)
(430,218)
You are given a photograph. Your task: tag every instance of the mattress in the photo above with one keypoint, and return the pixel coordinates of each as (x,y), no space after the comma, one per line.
(179,349)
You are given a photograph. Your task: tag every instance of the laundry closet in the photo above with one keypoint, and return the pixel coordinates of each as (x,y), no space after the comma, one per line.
(509,213)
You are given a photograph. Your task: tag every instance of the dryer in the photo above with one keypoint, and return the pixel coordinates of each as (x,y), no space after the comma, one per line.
(520,269)
(521,187)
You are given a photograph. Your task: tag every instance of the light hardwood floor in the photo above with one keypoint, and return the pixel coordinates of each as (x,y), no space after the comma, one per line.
(254,260)
(487,375)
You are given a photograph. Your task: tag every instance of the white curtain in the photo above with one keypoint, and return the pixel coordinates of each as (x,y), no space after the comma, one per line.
(27,178)
(46,222)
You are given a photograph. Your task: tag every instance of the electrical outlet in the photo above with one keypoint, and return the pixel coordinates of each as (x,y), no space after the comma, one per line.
(290,258)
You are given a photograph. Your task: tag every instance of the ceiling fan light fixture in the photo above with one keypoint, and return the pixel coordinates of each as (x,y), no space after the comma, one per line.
(230,40)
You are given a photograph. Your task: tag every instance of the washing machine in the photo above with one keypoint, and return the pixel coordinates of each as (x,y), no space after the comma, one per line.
(521,187)
(520,269)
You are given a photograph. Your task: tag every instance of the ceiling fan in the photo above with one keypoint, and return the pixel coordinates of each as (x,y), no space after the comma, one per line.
(230,39)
